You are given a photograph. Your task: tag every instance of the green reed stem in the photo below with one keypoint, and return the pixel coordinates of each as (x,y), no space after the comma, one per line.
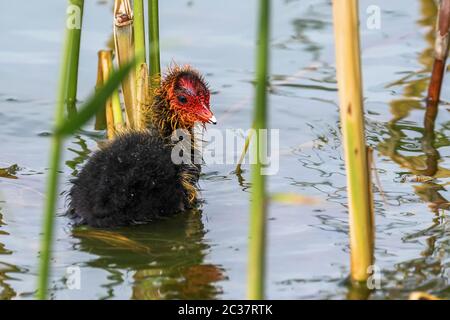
(139,32)
(153,27)
(70,46)
(257,243)
(359,186)
(75,20)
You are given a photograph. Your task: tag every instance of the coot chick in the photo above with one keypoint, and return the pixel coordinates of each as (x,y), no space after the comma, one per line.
(133,180)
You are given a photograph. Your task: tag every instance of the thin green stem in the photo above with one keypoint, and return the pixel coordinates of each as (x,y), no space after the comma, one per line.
(153,27)
(56,146)
(139,32)
(244,151)
(75,19)
(48,226)
(257,244)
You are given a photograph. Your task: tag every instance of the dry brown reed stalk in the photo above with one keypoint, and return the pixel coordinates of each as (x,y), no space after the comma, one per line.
(124,50)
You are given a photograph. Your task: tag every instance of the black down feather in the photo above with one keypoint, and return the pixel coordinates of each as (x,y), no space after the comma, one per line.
(132,180)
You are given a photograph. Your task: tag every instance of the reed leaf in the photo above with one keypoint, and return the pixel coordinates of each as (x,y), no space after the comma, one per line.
(348,70)
(257,244)
(125,52)
(88,110)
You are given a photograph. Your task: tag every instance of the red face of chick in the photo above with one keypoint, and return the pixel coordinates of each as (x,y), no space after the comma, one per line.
(190,99)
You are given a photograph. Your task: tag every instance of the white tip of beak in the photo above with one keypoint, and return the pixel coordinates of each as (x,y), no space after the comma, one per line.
(212,120)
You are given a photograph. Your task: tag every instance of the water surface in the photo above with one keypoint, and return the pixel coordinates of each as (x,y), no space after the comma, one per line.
(203,254)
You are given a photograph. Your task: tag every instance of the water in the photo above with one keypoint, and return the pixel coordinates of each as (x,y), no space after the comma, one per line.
(203,254)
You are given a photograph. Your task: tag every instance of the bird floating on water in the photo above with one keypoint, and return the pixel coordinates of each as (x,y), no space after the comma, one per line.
(133,180)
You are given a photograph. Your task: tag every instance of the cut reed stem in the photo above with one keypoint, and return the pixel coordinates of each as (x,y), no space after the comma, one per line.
(257,242)
(113,110)
(348,69)
(74,23)
(153,34)
(100,118)
(125,52)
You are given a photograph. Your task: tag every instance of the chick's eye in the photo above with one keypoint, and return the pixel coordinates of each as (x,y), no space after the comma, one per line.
(182,99)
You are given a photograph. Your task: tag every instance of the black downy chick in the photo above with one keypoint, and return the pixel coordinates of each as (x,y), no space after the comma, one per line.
(133,180)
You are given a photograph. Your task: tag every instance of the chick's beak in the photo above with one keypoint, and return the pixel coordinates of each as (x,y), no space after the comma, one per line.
(207,116)
(212,120)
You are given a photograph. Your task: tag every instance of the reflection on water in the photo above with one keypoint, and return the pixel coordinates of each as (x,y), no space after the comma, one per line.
(6,291)
(302,27)
(411,146)
(429,272)
(415,147)
(166,258)
(80,155)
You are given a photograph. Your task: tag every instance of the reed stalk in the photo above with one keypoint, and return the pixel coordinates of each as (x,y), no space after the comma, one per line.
(348,69)
(70,51)
(441,48)
(116,108)
(257,242)
(139,33)
(113,110)
(125,52)
(107,108)
(100,118)
(143,101)
(153,37)
(75,22)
